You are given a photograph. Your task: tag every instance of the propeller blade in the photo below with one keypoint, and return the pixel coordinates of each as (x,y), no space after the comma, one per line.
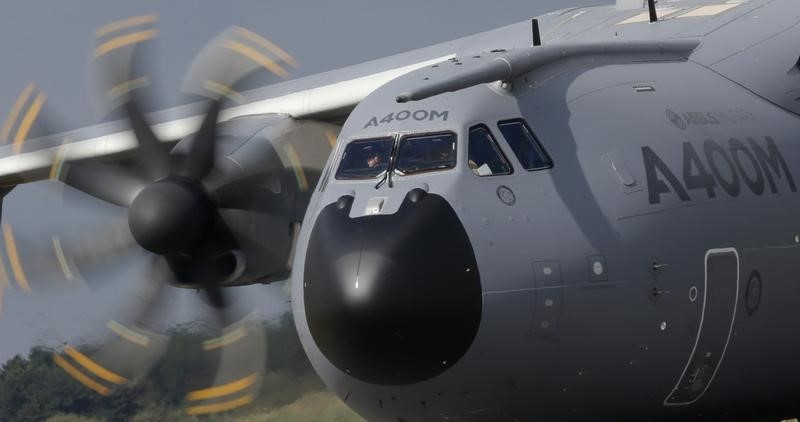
(97,261)
(199,159)
(209,265)
(234,57)
(241,349)
(216,297)
(74,201)
(121,78)
(213,263)
(113,241)
(153,156)
(149,300)
(109,183)
(128,351)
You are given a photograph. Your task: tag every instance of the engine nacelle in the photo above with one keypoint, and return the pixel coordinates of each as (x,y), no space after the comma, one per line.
(266,169)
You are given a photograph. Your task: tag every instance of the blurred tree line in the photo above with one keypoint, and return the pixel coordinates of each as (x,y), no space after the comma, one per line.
(34,388)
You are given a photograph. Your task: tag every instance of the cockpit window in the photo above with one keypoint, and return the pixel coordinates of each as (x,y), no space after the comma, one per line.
(365,159)
(417,154)
(524,144)
(485,157)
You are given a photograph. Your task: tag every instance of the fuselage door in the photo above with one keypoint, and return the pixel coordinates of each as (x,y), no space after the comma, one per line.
(720,295)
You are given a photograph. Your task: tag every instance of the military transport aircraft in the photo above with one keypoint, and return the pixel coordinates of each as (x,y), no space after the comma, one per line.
(584,216)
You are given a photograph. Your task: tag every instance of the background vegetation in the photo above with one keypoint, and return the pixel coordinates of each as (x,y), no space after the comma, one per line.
(34,388)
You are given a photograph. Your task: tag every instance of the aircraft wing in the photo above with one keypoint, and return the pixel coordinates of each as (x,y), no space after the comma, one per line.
(325,97)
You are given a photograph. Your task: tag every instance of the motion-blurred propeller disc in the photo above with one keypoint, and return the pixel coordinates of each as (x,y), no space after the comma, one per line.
(172,215)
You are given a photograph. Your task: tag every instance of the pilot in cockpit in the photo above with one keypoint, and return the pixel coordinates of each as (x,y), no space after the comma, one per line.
(374,160)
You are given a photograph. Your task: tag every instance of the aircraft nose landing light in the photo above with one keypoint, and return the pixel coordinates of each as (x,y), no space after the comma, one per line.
(392,299)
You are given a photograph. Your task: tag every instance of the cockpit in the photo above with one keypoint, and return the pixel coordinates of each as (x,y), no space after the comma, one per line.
(372,158)
(411,154)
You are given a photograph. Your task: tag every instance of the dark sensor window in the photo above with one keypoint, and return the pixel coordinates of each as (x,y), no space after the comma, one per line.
(417,154)
(485,157)
(365,159)
(525,146)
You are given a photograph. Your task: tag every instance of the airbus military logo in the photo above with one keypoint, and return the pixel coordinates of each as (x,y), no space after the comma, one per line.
(685,119)
(676,120)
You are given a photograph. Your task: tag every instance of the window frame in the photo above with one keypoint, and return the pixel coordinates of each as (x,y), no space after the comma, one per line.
(340,159)
(402,137)
(537,145)
(497,146)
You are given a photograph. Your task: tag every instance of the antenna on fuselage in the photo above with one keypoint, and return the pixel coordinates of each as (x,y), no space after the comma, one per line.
(537,36)
(651,4)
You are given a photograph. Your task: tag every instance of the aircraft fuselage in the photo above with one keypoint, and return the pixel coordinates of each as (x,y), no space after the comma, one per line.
(648,272)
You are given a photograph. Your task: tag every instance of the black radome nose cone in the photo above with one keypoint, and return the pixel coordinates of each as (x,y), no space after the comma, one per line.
(392,299)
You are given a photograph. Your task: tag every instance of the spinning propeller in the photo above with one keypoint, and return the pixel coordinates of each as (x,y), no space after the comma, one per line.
(176,233)
(170,213)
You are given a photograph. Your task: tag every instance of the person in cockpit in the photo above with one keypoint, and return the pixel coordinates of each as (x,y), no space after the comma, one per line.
(374,160)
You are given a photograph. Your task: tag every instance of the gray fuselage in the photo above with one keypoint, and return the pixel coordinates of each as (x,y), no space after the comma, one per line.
(650,273)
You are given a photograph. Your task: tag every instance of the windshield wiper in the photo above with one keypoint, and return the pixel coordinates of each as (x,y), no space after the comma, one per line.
(387,177)
(383,180)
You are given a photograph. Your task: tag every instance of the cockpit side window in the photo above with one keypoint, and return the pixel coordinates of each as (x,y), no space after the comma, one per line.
(365,159)
(485,157)
(525,146)
(423,153)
